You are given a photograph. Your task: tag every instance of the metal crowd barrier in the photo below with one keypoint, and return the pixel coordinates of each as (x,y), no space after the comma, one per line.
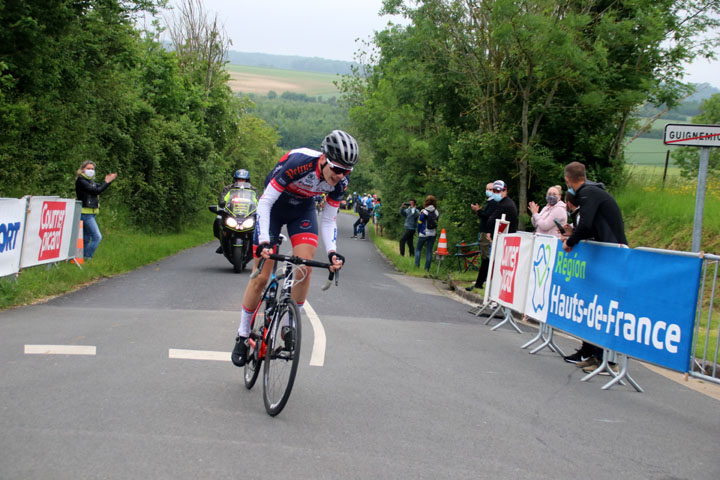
(706,366)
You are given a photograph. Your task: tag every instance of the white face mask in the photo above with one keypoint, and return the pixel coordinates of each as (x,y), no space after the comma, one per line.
(90,172)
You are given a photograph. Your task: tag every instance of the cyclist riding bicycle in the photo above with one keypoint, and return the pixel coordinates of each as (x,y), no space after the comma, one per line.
(288,200)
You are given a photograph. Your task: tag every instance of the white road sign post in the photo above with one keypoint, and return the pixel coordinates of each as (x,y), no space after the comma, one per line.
(705,137)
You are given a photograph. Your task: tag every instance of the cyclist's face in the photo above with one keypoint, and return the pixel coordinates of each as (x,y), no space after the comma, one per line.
(330,176)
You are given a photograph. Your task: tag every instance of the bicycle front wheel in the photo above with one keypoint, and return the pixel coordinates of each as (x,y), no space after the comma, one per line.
(282,355)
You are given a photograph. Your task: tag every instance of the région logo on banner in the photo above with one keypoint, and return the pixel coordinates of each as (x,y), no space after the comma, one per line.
(508,268)
(52,219)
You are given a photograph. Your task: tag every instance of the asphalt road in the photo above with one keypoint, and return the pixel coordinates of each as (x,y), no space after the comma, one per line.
(412,386)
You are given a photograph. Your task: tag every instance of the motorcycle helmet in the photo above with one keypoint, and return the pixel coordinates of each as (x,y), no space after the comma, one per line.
(341,148)
(242,174)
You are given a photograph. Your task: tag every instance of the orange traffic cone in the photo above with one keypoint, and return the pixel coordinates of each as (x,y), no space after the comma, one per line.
(442,244)
(79,259)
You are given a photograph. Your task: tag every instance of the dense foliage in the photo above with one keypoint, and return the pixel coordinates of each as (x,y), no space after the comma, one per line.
(78,81)
(474,90)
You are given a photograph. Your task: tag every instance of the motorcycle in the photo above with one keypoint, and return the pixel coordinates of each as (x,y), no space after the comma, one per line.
(238,217)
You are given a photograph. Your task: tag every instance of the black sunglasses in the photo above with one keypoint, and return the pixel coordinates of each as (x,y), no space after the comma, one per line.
(338,170)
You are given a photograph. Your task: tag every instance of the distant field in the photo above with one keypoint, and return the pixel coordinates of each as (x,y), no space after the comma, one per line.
(262,80)
(647,151)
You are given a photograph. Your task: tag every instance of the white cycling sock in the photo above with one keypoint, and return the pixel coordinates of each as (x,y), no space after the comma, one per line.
(245,321)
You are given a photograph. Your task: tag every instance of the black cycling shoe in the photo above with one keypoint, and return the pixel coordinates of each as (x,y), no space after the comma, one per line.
(219,249)
(239,352)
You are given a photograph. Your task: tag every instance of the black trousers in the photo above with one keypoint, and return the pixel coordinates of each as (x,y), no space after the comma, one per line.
(482,272)
(407,238)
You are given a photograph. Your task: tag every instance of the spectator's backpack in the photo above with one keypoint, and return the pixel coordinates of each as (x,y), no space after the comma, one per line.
(431,220)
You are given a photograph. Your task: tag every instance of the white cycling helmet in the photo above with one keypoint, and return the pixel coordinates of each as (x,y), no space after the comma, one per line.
(341,148)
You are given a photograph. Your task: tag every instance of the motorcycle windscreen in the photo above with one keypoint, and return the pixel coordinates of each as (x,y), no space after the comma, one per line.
(241,202)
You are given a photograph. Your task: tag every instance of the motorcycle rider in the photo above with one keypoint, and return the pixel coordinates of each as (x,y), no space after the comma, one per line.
(241,179)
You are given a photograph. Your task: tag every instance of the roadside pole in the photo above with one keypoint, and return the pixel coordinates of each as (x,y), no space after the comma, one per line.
(700,198)
(705,137)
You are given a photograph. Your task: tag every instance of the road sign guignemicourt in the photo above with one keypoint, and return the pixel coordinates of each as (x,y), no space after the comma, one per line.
(690,135)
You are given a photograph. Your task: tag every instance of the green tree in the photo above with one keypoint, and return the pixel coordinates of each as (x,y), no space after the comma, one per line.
(470,91)
(78,81)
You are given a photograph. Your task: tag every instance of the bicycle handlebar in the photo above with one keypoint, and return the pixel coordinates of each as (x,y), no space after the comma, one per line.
(299,261)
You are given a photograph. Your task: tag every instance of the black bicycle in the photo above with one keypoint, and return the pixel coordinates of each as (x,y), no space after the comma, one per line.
(276,332)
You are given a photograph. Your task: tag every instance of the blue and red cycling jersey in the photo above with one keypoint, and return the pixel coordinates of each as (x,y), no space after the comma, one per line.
(288,200)
(297,175)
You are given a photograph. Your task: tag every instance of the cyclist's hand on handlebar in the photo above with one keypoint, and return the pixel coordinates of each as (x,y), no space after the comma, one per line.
(263,250)
(336,261)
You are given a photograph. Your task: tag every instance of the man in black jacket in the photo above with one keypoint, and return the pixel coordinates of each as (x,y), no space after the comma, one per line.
(600,220)
(504,205)
(600,217)
(483,214)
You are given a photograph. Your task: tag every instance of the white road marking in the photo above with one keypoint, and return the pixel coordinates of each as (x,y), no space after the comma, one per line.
(198,355)
(60,350)
(317,358)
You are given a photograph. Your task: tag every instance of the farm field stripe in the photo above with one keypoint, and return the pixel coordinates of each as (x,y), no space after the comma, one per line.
(60,350)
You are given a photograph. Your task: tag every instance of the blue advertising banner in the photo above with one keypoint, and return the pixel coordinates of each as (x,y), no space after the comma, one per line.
(635,302)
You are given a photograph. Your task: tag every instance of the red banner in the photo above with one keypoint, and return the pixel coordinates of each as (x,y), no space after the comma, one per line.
(52,220)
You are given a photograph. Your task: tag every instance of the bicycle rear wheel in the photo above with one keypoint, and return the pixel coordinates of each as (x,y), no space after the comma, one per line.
(281,356)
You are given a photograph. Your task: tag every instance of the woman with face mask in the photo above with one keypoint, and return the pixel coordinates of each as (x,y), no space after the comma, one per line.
(554,210)
(87,191)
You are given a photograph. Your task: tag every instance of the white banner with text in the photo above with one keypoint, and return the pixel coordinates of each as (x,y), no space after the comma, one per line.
(49,230)
(12,227)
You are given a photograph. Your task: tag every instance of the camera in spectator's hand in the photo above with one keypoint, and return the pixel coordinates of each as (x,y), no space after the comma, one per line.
(404,204)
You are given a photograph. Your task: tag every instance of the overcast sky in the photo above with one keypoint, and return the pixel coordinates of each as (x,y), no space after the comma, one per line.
(329,29)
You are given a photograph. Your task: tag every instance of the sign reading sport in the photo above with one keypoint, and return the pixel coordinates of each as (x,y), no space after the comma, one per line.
(692,135)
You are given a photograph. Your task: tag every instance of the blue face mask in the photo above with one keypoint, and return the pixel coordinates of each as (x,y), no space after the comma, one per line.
(571,190)
(497,197)
(488,193)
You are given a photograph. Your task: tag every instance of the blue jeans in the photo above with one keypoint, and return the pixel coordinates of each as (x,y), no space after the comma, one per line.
(430,241)
(91,234)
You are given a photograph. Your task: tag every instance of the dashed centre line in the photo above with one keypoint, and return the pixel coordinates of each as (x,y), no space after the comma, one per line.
(317,357)
(60,350)
(198,355)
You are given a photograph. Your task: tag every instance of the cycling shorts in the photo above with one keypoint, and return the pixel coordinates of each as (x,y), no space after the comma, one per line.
(299,217)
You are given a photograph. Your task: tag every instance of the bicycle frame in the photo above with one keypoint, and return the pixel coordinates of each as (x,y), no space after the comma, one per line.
(271,299)
(276,343)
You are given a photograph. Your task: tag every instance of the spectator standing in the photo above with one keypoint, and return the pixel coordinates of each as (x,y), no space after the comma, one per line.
(360,224)
(427,224)
(505,206)
(601,220)
(87,191)
(411,215)
(544,220)
(377,213)
(369,202)
(484,215)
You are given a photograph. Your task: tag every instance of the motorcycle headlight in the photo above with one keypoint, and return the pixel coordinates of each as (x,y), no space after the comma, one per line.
(231,222)
(248,223)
